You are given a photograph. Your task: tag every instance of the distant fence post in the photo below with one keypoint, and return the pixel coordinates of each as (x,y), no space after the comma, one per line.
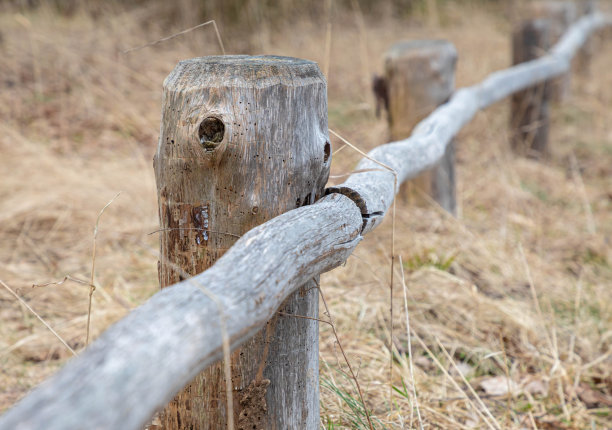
(560,14)
(529,113)
(585,54)
(243,140)
(420,76)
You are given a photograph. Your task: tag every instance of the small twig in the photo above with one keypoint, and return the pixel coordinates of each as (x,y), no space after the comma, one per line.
(339,149)
(66,278)
(346,142)
(92,286)
(180,33)
(23,302)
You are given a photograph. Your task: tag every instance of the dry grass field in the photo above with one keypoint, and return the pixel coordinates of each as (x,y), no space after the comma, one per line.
(509,304)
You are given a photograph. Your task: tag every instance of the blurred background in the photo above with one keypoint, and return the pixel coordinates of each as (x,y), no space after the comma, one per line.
(79,123)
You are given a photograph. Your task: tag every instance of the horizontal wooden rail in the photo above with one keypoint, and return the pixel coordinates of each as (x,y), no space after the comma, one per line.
(141,362)
(373,188)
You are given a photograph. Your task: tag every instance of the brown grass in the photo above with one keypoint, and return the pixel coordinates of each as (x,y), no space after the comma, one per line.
(516,288)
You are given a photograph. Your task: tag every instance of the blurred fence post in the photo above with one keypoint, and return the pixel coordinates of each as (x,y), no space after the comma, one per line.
(529,114)
(243,140)
(584,56)
(420,76)
(560,14)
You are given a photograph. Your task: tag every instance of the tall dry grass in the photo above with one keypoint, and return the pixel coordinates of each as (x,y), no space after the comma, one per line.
(513,296)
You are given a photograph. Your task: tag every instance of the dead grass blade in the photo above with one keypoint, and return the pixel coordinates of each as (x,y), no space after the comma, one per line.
(470,388)
(409,341)
(331,323)
(454,383)
(92,286)
(23,302)
(66,278)
(536,302)
(180,33)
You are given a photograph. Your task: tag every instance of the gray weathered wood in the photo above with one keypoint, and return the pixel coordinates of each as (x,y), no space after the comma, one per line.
(138,364)
(560,15)
(530,110)
(373,191)
(584,57)
(243,139)
(420,76)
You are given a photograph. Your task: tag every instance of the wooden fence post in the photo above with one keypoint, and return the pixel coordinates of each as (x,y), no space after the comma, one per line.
(560,14)
(529,113)
(585,54)
(243,140)
(420,76)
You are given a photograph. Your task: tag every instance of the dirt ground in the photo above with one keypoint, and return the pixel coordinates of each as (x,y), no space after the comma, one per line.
(509,303)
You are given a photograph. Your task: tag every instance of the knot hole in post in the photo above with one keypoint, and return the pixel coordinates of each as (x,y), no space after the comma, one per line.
(211,132)
(326,152)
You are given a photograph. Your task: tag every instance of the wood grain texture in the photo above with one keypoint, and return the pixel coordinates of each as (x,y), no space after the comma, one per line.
(243,140)
(420,76)
(141,362)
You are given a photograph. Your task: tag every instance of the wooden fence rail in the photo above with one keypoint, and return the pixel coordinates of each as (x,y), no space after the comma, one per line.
(135,367)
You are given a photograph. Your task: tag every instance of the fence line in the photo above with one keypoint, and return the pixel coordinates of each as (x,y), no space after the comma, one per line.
(374,190)
(135,367)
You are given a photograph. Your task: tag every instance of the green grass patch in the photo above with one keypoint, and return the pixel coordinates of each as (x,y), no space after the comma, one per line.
(429,258)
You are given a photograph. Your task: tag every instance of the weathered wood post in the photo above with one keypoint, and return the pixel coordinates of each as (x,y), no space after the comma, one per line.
(560,14)
(529,112)
(243,139)
(585,54)
(420,76)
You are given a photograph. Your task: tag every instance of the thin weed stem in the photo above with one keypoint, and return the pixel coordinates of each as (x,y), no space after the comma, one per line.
(92,286)
(23,302)
(180,33)
(412,380)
